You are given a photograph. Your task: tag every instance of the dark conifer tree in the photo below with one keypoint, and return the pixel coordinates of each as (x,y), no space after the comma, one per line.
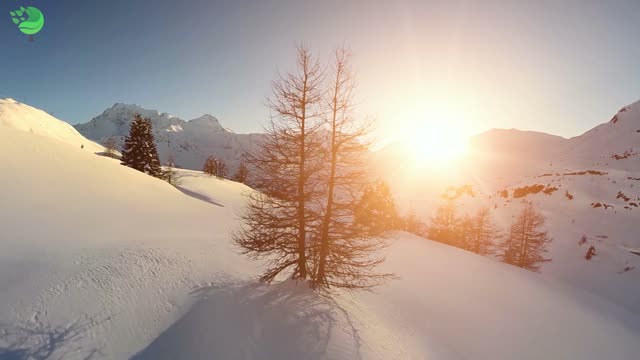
(140,150)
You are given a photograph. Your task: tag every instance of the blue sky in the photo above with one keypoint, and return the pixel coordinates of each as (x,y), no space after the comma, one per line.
(559,66)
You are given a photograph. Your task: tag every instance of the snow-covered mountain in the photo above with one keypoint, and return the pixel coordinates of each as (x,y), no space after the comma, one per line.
(587,186)
(189,142)
(100,261)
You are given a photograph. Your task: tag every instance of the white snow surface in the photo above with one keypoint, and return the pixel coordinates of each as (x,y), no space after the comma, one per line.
(99,261)
(16,115)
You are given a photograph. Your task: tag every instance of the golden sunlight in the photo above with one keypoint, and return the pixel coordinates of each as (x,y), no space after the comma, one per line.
(436,145)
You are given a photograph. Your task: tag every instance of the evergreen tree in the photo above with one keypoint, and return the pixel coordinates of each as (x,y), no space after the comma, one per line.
(242,174)
(376,209)
(139,150)
(210,166)
(527,242)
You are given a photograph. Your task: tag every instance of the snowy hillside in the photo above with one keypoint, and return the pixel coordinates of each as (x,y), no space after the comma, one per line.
(614,144)
(189,142)
(101,261)
(588,186)
(23,117)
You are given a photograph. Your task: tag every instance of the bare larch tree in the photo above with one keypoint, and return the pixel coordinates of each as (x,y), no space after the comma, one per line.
(480,234)
(286,161)
(445,226)
(527,242)
(347,253)
(210,166)
(110,147)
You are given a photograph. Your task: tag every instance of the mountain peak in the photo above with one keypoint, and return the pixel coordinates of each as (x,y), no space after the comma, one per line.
(208,121)
(122,106)
(634,107)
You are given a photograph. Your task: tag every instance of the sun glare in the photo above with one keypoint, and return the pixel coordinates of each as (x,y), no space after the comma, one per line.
(436,145)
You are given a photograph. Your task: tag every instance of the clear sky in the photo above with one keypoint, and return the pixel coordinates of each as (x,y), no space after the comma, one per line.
(559,66)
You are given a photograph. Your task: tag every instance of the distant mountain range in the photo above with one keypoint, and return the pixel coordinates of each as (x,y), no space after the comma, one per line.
(189,142)
(613,144)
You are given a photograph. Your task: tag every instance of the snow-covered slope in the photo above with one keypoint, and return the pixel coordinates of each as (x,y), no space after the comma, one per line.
(23,117)
(446,304)
(100,261)
(96,249)
(614,144)
(189,142)
(592,189)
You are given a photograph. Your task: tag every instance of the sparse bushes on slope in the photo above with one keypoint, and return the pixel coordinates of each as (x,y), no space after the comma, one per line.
(533,189)
(526,190)
(591,252)
(568,195)
(453,193)
(110,147)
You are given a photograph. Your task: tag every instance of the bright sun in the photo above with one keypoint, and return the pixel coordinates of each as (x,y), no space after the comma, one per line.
(436,145)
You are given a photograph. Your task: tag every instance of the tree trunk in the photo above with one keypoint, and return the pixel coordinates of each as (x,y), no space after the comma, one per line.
(302,233)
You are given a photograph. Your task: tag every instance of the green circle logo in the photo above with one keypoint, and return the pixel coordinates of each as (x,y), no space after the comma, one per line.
(30,20)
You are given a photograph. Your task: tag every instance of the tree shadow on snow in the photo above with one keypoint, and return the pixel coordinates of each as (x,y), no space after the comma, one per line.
(198,196)
(281,322)
(39,342)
